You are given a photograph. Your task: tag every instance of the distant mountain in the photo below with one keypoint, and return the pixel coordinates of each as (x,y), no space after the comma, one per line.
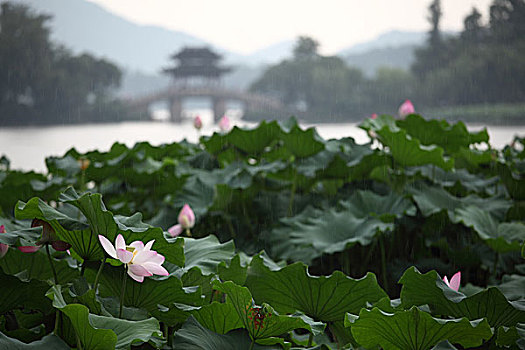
(395,49)
(271,54)
(395,57)
(85,26)
(393,39)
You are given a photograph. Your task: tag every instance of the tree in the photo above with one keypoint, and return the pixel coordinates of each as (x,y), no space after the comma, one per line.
(320,86)
(435,53)
(434,19)
(44,83)
(305,48)
(473,33)
(25,54)
(507,21)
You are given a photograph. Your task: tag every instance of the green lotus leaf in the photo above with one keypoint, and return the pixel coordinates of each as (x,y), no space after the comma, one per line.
(513,287)
(260,321)
(414,329)
(441,133)
(408,151)
(314,232)
(49,342)
(363,204)
(29,294)
(433,199)
(206,253)
(323,298)
(379,123)
(218,317)
(102,222)
(236,271)
(198,192)
(29,266)
(302,143)
(157,296)
(101,332)
(511,337)
(514,183)
(420,289)
(82,239)
(193,336)
(471,182)
(501,237)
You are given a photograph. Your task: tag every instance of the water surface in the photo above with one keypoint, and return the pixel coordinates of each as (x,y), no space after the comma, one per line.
(27,147)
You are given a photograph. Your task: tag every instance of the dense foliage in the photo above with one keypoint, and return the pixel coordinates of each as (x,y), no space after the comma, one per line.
(483,64)
(42,82)
(291,232)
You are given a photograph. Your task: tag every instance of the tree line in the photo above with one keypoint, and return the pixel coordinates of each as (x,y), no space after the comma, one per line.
(44,83)
(484,63)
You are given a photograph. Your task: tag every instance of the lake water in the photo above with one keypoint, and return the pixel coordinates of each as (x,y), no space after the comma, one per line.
(27,147)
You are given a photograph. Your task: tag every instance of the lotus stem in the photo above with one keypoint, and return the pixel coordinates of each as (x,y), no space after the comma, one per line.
(230,227)
(170,336)
(122,291)
(57,315)
(292,194)
(383,262)
(99,272)
(371,249)
(345,262)
(79,343)
(247,217)
(310,340)
(495,267)
(55,276)
(83,180)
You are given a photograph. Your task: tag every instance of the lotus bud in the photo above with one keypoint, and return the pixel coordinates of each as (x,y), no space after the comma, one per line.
(49,236)
(186,217)
(48,233)
(406,108)
(197,122)
(224,124)
(186,221)
(3,247)
(83,163)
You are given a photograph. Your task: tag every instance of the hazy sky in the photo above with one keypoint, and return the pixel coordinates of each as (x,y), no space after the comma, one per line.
(248,25)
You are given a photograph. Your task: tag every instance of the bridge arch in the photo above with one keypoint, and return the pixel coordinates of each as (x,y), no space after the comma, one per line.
(219,97)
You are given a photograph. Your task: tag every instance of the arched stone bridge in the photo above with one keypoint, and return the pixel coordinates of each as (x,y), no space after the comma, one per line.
(175,96)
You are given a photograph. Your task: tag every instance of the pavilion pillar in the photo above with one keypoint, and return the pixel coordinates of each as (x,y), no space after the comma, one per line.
(219,108)
(176,110)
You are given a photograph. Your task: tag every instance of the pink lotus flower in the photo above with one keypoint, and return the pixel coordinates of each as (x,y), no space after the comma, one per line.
(48,237)
(224,124)
(406,108)
(29,248)
(140,260)
(186,222)
(197,122)
(3,247)
(374,116)
(454,281)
